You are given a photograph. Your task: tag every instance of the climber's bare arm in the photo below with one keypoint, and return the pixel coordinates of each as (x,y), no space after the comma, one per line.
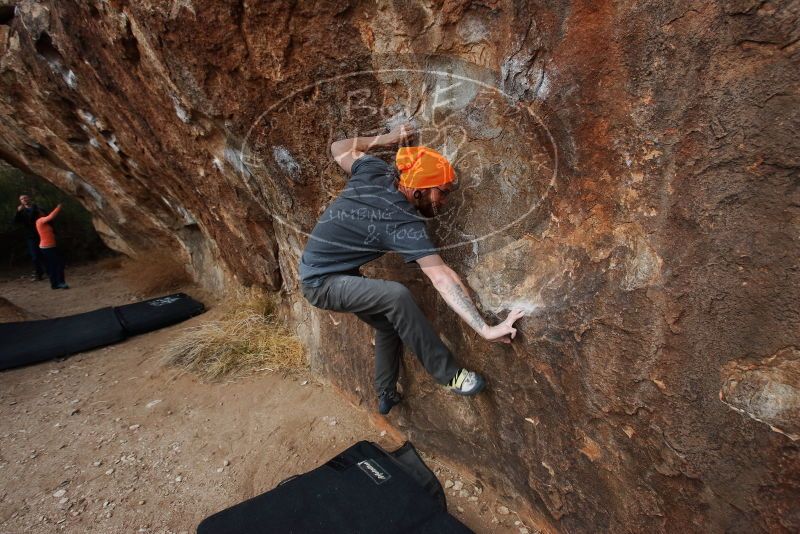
(347,151)
(455,293)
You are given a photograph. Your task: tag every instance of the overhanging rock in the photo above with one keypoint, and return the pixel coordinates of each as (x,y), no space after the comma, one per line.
(628,173)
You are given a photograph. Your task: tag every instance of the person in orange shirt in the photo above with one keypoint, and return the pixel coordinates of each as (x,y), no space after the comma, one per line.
(47,244)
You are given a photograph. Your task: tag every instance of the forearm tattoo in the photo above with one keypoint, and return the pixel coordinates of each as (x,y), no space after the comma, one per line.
(460,302)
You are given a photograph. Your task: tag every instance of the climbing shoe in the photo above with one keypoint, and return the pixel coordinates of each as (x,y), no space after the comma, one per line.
(466,383)
(387,400)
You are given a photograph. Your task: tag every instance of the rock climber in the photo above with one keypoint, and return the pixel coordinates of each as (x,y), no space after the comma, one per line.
(383,209)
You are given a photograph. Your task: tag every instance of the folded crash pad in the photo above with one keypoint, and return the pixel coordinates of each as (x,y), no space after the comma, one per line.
(362,490)
(157,313)
(27,342)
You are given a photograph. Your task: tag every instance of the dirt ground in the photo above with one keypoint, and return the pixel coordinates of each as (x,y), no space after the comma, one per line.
(113,441)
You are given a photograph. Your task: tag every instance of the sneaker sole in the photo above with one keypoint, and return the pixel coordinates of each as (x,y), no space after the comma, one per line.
(481,386)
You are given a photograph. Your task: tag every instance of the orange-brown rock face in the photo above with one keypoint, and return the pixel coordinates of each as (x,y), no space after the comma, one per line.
(628,173)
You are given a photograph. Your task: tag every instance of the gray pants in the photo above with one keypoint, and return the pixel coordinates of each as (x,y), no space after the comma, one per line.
(388,307)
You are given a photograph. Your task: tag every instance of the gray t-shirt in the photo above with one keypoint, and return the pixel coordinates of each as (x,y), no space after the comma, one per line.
(369,218)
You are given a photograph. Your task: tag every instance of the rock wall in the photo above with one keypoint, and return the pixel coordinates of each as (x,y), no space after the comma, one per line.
(629,175)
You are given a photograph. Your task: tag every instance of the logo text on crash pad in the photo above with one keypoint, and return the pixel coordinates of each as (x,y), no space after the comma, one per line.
(374,471)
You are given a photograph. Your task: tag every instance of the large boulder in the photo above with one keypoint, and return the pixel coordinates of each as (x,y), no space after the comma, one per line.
(628,175)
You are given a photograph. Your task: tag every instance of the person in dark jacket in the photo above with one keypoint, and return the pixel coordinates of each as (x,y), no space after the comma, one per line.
(27,213)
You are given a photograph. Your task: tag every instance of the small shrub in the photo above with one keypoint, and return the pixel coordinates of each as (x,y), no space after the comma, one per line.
(247,338)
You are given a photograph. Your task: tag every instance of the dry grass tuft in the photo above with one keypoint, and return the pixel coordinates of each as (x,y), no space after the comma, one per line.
(154,272)
(247,338)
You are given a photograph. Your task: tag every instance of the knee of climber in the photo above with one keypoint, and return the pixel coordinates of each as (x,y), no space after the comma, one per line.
(397,292)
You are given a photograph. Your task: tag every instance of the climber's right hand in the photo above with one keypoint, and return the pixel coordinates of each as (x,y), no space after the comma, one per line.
(505,331)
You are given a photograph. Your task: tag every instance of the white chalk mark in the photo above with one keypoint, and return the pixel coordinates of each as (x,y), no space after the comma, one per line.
(112,142)
(87,117)
(286,162)
(181,113)
(70,79)
(440,90)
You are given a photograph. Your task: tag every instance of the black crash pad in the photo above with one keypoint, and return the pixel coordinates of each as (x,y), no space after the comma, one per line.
(362,490)
(27,342)
(156,313)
